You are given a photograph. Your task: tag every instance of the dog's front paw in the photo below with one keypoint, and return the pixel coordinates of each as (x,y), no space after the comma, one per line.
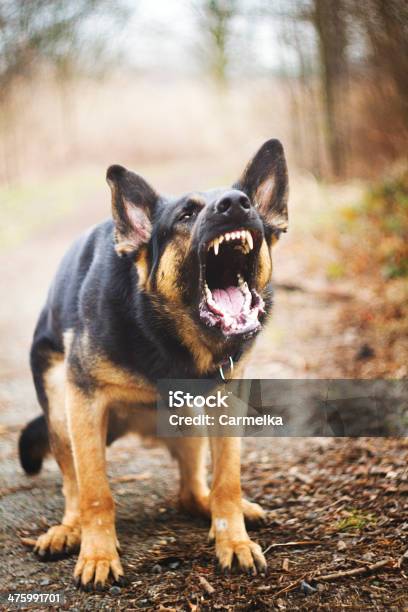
(247,554)
(254,513)
(97,560)
(58,541)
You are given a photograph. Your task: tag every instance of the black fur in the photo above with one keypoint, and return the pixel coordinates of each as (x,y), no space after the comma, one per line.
(33,445)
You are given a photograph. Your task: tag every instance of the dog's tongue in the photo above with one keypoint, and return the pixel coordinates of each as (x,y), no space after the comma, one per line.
(230,301)
(234,309)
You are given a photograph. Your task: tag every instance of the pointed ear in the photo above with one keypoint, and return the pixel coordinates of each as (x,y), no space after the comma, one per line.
(265,181)
(133,205)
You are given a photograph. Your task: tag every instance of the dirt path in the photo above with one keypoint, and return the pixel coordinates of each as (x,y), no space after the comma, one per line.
(164,552)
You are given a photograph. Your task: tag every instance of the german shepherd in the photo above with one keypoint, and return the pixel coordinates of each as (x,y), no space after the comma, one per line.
(168,288)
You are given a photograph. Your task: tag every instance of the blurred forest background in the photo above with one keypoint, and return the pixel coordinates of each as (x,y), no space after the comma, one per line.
(333,75)
(185,92)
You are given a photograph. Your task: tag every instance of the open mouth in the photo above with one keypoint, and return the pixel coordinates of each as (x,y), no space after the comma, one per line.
(228,267)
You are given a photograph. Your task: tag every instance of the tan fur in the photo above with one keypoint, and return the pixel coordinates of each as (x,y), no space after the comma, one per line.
(138,419)
(54,383)
(227,518)
(87,421)
(120,385)
(191,337)
(264,266)
(142,267)
(227,505)
(168,288)
(87,429)
(194,492)
(168,271)
(67,535)
(191,456)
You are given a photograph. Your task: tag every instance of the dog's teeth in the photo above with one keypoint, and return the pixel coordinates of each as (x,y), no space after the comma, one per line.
(243,235)
(220,239)
(216,246)
(249,240)
(227,236)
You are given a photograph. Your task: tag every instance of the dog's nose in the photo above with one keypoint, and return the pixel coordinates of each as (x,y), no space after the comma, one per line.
(233,203)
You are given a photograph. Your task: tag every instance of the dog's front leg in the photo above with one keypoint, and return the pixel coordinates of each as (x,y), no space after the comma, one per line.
(227,517)
(98,557)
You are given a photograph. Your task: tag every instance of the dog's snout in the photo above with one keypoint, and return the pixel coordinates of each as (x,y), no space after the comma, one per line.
(233,203)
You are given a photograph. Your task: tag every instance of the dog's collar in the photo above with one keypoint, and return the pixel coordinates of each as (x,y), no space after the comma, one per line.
(226,367)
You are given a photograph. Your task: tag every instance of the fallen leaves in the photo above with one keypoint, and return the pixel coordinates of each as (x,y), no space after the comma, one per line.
(311,563)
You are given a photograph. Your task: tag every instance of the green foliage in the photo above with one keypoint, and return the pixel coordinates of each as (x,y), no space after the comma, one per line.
(381,223)
(356,520)
(335,270)
(386,211)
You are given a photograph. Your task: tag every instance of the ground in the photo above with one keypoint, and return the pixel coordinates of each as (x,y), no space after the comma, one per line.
(333,505)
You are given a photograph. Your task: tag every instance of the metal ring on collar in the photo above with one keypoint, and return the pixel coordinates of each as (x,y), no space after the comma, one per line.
(231,369)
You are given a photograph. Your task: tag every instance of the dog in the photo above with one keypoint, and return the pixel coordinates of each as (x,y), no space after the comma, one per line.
(168,288)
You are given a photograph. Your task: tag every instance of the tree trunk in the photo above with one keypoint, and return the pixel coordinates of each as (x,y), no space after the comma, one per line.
(330,25)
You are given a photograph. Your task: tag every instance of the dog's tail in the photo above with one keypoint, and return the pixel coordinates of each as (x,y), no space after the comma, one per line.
(33,445)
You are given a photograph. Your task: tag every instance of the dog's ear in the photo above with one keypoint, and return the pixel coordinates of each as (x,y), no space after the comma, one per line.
(265,181)
(133,206)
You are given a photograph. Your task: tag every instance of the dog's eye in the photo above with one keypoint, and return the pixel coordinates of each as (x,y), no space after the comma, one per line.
(188,213)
